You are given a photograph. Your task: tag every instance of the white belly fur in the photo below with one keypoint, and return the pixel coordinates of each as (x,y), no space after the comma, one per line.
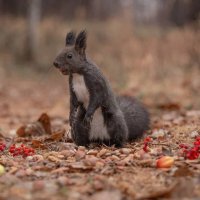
(98,129)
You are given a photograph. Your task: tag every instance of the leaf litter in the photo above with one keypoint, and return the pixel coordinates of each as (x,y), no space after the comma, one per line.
(56,168)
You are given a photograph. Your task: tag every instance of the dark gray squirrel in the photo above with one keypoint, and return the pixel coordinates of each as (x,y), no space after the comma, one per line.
(96,114)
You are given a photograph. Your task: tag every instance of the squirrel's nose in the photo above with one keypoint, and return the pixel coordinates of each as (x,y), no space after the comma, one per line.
(56,64)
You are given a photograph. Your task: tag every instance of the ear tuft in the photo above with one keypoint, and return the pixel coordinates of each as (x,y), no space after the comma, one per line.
(80,45)
(70,38)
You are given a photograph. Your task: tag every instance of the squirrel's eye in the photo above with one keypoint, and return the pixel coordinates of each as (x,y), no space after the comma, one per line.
(69,55)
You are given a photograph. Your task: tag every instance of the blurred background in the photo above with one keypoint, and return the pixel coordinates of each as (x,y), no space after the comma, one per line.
(147,48)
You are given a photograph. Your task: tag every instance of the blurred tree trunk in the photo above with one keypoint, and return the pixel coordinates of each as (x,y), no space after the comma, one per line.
(185,11)
(101,9)
(34,14)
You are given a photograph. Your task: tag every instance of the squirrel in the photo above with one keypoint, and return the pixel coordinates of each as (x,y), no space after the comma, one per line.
(96,114)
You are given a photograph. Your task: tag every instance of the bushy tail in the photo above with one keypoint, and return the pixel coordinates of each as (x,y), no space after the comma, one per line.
(136,116)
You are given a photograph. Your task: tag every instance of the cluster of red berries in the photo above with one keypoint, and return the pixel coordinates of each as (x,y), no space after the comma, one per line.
(2,146)
(147,140)
(193,152)
(21,150)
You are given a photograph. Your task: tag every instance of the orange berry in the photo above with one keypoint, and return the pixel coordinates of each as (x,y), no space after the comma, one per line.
(165,162)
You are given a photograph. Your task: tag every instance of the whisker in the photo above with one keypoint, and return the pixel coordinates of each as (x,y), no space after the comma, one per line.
(44,75)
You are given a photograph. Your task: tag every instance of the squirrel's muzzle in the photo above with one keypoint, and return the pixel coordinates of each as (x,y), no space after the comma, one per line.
(56,64)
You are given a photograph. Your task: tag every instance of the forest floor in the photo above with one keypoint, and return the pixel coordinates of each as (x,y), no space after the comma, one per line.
(40,161)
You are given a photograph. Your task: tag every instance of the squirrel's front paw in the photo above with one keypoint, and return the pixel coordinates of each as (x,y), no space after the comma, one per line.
(87,120)
(72,120)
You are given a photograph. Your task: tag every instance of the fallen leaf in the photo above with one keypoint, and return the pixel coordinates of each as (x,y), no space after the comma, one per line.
(31,129)
(127,188)
(169,106)
(37,158)
(90,160)
(125,151)
(92,152)
(159,133)
(59,135)
(54,159)
(162,192)
(60,170)
(38,144)
(108,194)
(38,185)
(102,152)
(183,171)
(79,155)
(79,166)
(98,185)
(13,170)
(21,131)
(45,121)
(63,180)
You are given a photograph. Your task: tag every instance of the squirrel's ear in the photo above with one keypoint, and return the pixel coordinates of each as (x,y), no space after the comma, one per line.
(80,44)
(70,38)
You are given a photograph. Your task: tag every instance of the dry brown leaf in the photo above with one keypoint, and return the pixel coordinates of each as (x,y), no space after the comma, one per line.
(46,123)
(38,185)
(183,171)
(1,135)
(42,168)
(125,151)
(80,154)
(127,188)
(60,170)
(40,127)
(98,185)
(21,131)
(35,128)
(37,158)
(161,192)
(90,160)
(92,152)
(146,163)
(13,170)
(79,166)
(102,152)
(38,144)
(57,136)
(169,106)
(54,159)
(107,194)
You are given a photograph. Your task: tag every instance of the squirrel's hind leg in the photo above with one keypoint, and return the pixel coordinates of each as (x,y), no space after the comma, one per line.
(80,132)
(117,129)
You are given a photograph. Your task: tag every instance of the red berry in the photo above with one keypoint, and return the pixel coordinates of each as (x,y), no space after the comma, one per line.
(21,150)
(183,146)
(198,138)
(2,146)
(147,139)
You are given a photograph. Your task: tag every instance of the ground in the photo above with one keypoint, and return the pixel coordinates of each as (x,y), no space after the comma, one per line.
(161,68)
(58,169)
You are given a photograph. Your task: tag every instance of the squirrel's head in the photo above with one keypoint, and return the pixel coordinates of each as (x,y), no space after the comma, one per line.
(72,57)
